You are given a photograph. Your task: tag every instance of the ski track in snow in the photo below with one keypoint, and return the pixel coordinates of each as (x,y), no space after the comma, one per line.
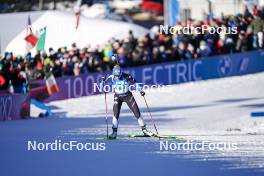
(212,110)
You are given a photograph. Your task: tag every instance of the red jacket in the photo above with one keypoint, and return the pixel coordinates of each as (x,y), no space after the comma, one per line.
(2,80)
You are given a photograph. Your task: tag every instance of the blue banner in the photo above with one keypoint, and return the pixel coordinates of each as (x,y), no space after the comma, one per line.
(169,73)
(200,69)
(14,107)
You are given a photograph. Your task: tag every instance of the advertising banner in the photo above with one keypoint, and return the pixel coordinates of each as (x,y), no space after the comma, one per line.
(14,107)
(168,73)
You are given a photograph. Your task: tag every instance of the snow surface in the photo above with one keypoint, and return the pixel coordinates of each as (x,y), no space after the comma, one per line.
(12,24)
(125,4)
(61,30)
(213,111)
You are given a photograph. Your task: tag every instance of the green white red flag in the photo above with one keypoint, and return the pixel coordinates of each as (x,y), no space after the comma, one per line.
(51,84)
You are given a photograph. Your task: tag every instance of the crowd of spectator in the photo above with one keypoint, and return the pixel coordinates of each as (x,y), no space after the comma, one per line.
(17,70)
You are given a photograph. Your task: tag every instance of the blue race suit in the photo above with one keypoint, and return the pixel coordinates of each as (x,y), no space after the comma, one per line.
(121,85)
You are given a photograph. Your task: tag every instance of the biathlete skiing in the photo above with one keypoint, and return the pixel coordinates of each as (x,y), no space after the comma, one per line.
(120,82)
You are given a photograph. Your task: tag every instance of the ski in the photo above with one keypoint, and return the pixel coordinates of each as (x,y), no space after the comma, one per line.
(155,136)
(137,135)
(110,139)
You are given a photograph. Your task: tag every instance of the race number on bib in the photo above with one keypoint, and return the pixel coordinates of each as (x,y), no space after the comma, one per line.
(120,86)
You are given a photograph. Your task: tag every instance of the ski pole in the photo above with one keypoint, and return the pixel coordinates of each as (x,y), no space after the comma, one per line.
(150,115)
(106,115)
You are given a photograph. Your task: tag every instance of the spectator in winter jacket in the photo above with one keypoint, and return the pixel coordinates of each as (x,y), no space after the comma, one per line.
(257,28)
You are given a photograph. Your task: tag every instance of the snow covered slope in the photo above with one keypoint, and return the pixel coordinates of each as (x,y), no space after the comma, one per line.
(213,111)
(197,108)
(61,30)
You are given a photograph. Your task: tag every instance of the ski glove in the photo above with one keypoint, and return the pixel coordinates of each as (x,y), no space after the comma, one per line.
(142,93)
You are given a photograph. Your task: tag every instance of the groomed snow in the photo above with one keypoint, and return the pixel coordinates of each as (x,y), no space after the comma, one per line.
(214,110)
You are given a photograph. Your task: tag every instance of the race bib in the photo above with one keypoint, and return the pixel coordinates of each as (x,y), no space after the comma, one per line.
(120,86)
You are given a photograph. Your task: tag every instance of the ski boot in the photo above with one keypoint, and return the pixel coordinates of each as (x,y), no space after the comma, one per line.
(146,132)
(114,134)
(46,114)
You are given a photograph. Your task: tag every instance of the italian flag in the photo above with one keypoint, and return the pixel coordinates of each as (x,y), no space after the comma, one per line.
(51,84)
(41,41)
